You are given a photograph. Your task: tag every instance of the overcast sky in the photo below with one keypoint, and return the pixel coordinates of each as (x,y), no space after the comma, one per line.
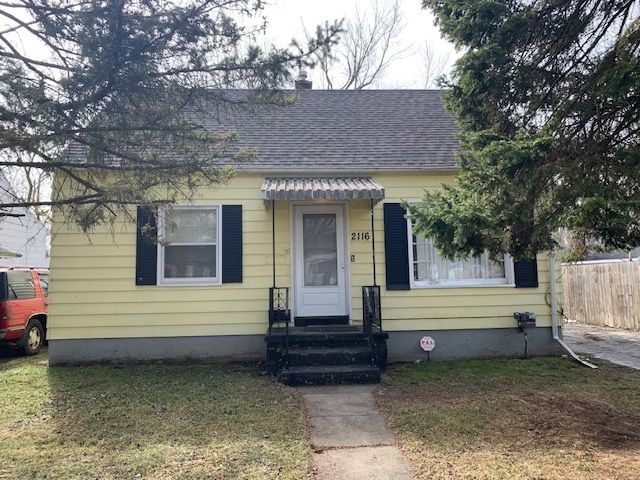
(285,19)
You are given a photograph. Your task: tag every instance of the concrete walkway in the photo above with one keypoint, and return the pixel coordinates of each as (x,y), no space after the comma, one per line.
(617,346)
(349,437)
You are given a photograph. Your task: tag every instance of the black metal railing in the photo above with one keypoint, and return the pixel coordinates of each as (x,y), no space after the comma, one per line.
(371,311)
(371,316)
(280,314)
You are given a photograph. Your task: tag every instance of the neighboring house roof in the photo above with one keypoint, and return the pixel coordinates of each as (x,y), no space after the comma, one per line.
(340,130)
(4,253)
(615,255)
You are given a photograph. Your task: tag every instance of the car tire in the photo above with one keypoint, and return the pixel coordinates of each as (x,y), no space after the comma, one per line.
(33,337)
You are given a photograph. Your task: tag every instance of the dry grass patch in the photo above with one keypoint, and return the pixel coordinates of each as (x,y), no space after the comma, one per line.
(545,418)
(148,421)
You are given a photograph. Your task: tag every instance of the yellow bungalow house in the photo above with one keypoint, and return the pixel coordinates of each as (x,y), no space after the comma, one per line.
(304,258)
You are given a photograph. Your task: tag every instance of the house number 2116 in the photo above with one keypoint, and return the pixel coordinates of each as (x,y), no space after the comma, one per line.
(360,236)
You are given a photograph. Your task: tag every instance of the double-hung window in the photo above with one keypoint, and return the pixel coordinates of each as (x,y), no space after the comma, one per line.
(430,269)
(189,246)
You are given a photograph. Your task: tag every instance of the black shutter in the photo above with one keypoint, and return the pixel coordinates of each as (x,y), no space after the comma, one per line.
(526,273)
(396,247)
(231,243)
(146,246)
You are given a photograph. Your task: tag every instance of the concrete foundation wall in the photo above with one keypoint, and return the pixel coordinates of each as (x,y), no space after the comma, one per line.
(476,343)
(402,346)
(226,348)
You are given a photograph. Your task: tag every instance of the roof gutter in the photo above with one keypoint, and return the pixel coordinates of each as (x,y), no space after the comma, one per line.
(554,315)
(315,172)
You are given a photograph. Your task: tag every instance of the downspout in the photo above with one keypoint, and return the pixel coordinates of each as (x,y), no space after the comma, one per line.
(554,315)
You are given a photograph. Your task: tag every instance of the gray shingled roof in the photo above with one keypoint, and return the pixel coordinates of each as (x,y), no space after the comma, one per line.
(349,130)
(343,130)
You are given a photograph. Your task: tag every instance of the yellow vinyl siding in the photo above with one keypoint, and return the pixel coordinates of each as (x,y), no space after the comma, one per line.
(435,308)
(95,295)
(93,292)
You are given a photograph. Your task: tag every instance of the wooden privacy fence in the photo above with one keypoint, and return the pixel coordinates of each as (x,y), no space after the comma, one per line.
(603,293)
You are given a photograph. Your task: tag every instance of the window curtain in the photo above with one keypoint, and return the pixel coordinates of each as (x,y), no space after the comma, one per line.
(430,267)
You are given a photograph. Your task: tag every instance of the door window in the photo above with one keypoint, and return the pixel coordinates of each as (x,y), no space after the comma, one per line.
(320,249)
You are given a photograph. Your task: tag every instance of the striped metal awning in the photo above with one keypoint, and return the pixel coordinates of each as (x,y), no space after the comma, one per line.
(312,188)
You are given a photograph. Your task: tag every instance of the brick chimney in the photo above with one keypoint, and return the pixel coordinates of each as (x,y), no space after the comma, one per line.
(301,82)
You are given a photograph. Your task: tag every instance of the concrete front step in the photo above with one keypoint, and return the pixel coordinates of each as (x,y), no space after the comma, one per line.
(321,338)
(329,374)
(321,354)
(315,356)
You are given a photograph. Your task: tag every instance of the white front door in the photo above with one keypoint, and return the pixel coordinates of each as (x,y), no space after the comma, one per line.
(319,261)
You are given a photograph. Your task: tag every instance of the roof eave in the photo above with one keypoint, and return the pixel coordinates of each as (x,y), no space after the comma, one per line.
(343,171)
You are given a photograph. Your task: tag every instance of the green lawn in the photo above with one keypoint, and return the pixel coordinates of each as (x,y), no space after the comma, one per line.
(149,421)
(545,418)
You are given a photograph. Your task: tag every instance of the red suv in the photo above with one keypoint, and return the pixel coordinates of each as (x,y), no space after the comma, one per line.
(23,308)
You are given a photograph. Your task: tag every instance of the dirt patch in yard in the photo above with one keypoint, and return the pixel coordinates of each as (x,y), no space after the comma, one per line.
(514,419)
(593,337)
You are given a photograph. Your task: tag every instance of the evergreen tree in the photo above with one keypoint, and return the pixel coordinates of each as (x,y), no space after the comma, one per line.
(125,85)
(547,96)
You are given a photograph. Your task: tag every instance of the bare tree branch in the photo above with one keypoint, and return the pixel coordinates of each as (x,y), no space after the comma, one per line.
(434,65)
(369,43)
(110,97)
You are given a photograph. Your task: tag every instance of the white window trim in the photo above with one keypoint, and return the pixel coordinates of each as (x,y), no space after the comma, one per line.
(199,281)
(508,281)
